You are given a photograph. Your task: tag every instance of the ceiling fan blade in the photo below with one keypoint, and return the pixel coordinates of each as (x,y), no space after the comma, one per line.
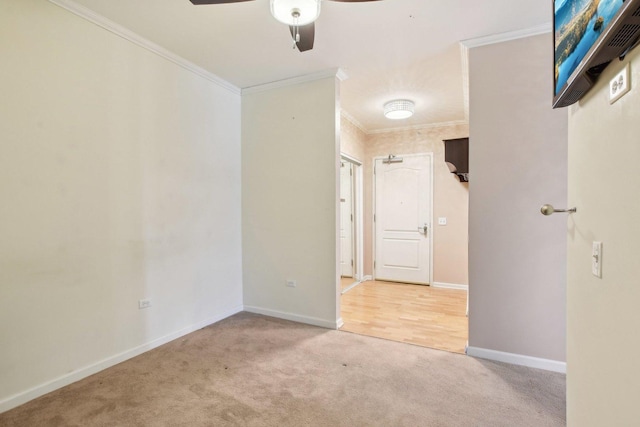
(307,36)
(216,1)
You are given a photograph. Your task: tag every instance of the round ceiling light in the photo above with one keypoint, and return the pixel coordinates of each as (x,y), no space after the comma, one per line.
(295,12)
(398,109)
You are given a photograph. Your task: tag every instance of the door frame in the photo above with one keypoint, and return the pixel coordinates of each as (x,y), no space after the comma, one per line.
(430,156)
(347,219)
(358,215)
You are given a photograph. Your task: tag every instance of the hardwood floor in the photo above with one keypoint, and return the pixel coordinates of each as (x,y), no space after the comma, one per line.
(421,315)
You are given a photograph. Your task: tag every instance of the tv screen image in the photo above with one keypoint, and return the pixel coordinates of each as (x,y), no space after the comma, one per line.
(577,25)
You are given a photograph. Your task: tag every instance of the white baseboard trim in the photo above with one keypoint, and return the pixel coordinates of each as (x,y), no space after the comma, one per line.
(340,323)
(293,317)
(64,380)
(367,279)
(518,359)
(450,286)
(351,286)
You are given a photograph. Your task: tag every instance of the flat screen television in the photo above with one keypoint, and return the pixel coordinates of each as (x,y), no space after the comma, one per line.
(588,35)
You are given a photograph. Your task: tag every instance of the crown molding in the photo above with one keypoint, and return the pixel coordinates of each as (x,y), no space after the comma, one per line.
(419,127)
(134,38)
(332,72)
(342,75)
(348,117)
(359,125)
(511,35)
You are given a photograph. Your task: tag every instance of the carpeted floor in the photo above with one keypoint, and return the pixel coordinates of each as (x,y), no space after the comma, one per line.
(251,370)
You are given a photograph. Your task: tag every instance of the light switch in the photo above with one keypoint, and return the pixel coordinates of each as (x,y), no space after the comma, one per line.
(442,220)
(596,259)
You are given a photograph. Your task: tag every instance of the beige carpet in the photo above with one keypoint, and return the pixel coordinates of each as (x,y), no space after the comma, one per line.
(251,370)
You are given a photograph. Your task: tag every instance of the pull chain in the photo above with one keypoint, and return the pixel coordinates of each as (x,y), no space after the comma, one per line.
(296,38)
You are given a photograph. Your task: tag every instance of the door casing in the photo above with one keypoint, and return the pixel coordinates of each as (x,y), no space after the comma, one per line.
(358,215)
(348,267)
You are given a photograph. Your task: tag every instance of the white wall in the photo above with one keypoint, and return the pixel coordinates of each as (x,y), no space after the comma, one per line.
(518,161)
(290,166)
(120,180)
(603,379)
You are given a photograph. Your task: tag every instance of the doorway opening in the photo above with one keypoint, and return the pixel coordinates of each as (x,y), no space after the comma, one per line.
(401,303)
(351,223)
(403,200)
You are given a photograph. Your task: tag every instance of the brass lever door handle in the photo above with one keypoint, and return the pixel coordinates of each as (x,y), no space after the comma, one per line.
(549,209)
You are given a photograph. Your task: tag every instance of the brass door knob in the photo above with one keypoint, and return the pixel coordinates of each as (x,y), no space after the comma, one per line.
(549,209)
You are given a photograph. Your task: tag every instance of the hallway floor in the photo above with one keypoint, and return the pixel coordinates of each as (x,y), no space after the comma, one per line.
(415,314)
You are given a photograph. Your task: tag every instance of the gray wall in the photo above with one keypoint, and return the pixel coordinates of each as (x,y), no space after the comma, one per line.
(518,161)
(603,378)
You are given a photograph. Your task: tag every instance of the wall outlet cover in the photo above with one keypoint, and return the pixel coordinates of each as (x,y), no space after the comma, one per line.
(619,85)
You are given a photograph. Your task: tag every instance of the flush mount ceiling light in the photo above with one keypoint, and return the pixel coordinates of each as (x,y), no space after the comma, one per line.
(295,12)
(398,109)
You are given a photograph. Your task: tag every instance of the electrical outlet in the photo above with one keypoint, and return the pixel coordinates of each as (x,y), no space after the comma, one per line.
(442,220)
(144,303)
(291,283)
(596,259)
(619,85)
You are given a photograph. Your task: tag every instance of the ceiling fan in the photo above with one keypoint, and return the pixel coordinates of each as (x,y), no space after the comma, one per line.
(299,15)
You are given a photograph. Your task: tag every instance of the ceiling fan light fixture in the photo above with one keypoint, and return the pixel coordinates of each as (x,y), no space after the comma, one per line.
(295,12)
(399,109)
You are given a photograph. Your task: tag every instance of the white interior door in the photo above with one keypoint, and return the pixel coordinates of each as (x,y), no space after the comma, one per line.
(403,219)
(346,219)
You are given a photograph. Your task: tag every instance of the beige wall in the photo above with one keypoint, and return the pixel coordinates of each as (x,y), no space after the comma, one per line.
(290,166)
(518,161)
(352,139)
(120,180)
(603,379)
(450,198)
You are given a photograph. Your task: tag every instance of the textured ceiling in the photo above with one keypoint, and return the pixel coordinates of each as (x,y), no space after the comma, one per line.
(389,49)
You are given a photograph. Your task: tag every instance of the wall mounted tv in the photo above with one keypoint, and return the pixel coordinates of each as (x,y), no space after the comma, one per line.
(588,35)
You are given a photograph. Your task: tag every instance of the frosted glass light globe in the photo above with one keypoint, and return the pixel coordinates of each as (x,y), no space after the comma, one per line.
(285,11)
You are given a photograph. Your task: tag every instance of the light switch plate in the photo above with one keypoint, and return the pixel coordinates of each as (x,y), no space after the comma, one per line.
(596,259)
(619,85)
